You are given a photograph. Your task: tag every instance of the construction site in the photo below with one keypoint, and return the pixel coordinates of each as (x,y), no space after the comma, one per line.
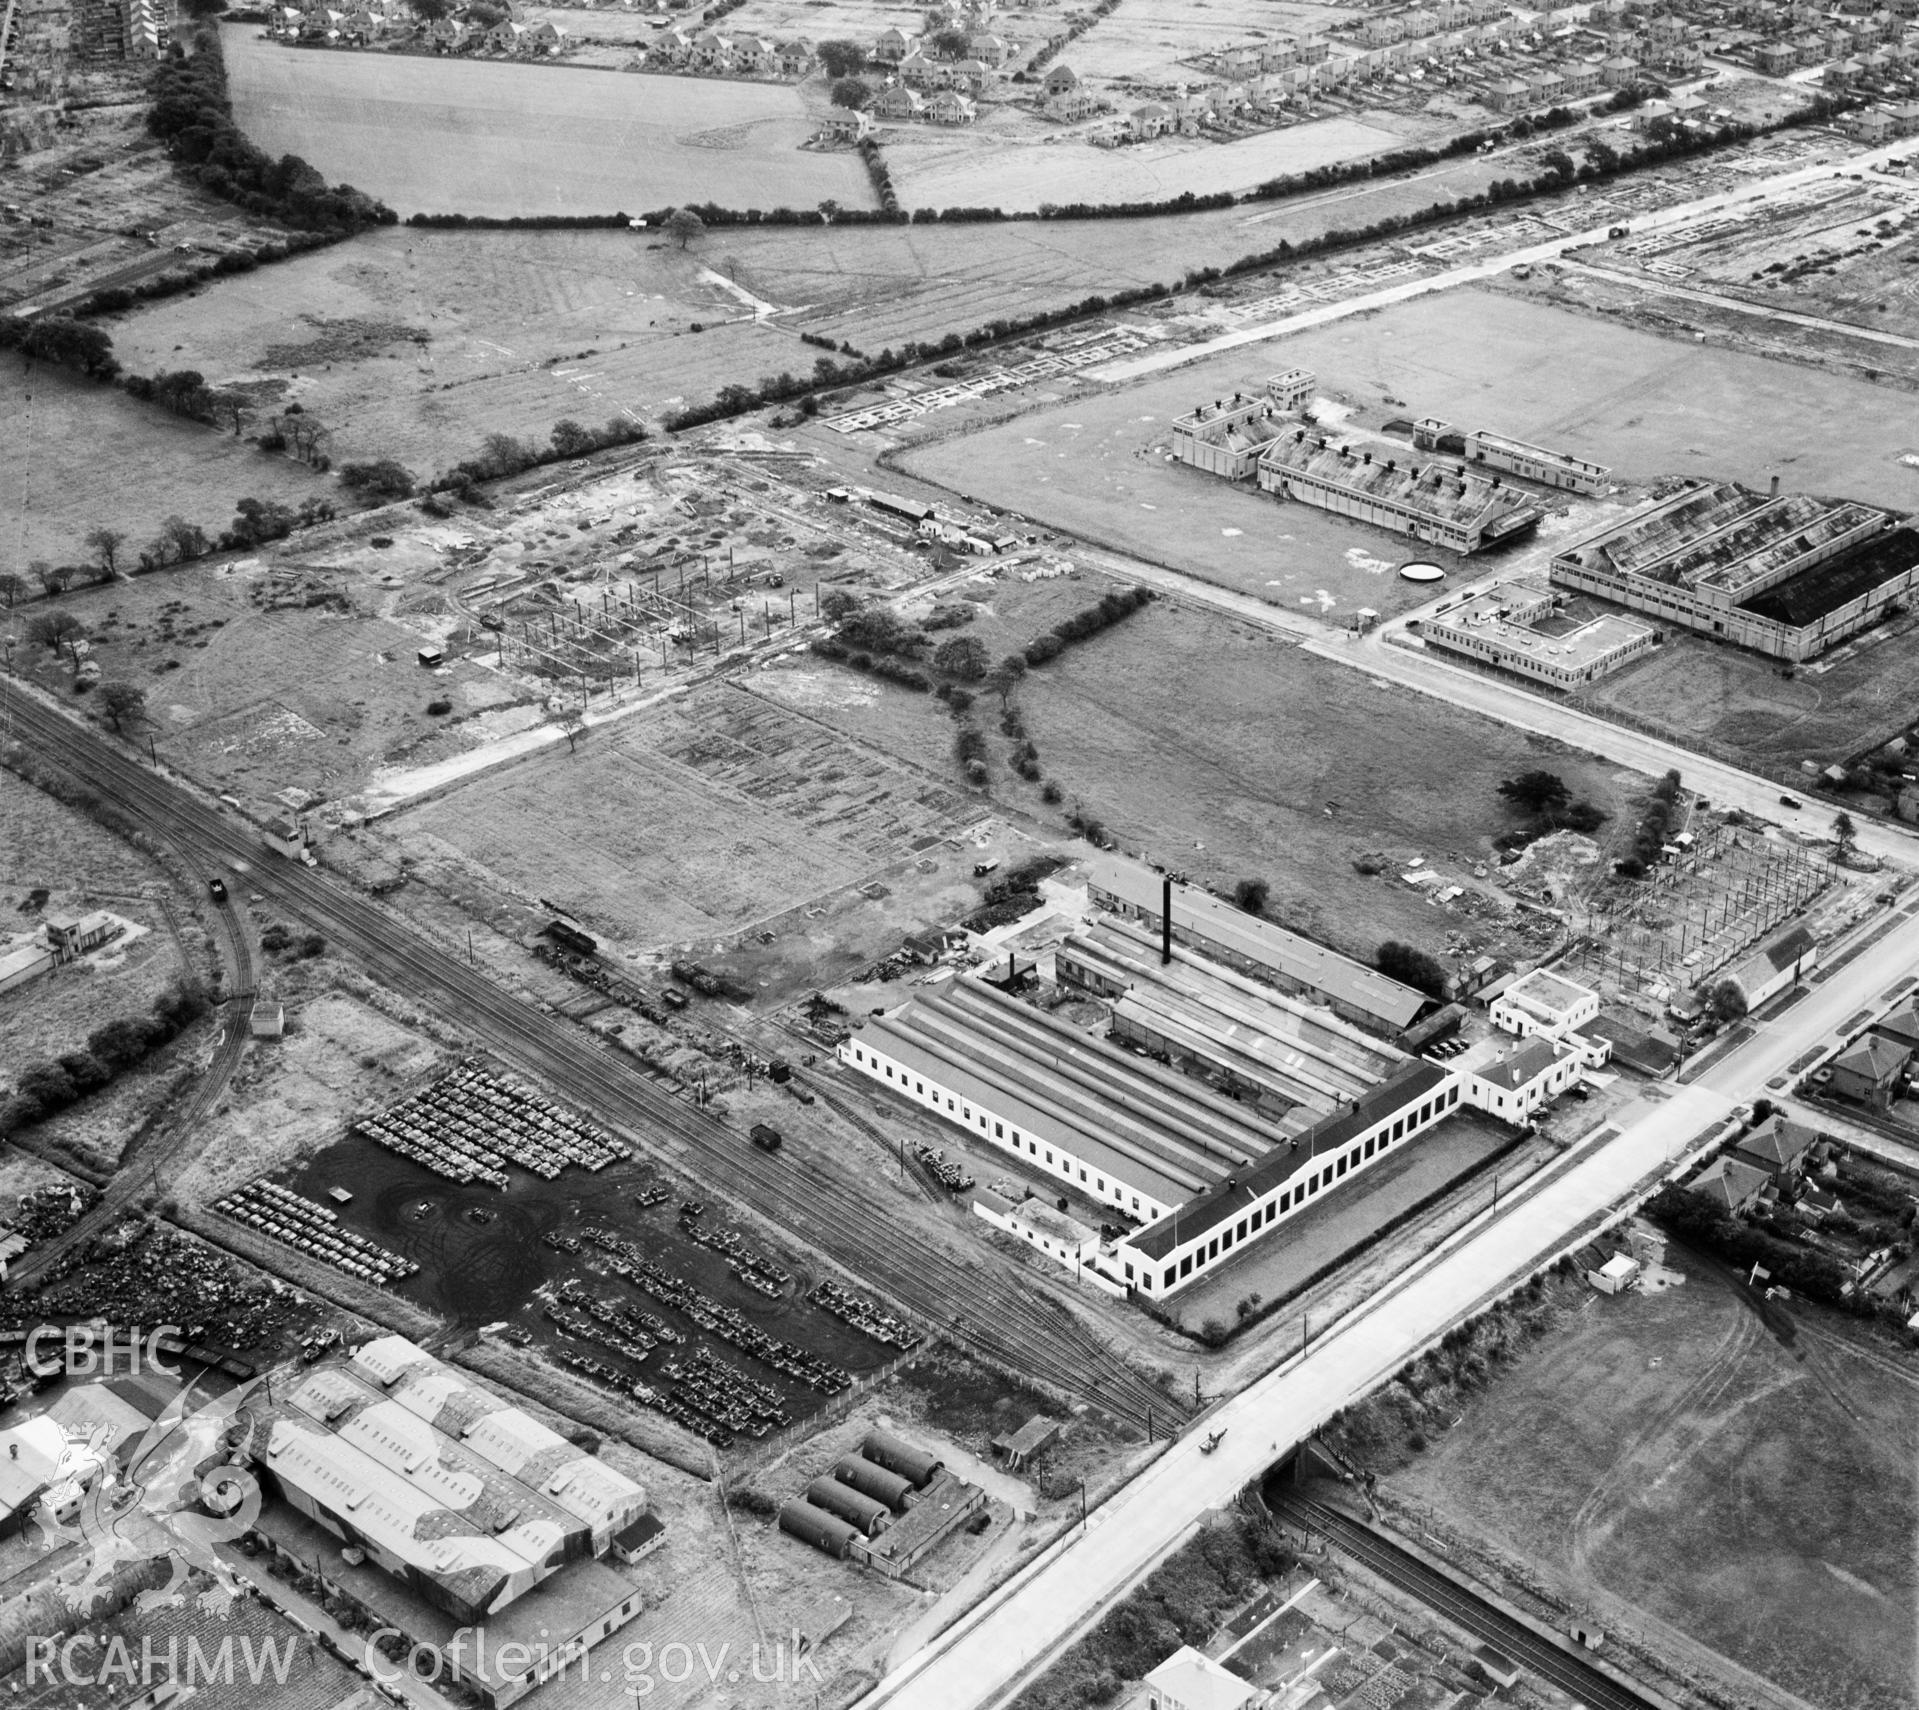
(1722,890)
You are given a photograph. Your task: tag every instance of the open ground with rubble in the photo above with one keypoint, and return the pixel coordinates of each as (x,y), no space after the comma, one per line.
(1678,1465)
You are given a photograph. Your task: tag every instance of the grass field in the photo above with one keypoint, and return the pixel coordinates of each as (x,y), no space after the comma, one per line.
(56,426)
(1100,466)
(1740,702)
(486,137)
(1647,406)
(1669,1461)
(687,822)
(981,171)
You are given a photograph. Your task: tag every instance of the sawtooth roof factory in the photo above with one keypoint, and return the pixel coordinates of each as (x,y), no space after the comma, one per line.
(1453,506)
(1788,577)
(1277,1080)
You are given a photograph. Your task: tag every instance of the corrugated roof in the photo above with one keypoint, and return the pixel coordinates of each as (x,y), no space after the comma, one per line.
(1221,1204)
(1134,1122)
(1313,965)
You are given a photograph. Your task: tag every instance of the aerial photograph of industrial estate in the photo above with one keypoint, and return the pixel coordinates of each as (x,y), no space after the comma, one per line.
(959,854)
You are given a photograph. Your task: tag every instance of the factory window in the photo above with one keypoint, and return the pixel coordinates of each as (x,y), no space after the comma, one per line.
(966,1113)
(999,1133)
(1242,1229)
(1015,1136)
(889,1074)
(859,1056)
(1227,1240)
(1166,1281)
(1345,1158)
(1186,1265)
(1136,1202)
(1370,1144)
(1129,1273)
(1100,1183)
(949,1104)
(1082,1172)
(1212,1249)
(1286,1200)
(920,1088)
(1049,1155)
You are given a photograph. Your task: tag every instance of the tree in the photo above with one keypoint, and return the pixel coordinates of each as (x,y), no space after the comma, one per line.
(1536,792)
(850,93)
(184,539)
(429,11)
(683,226)
(950,43)
(1844,833)
(963,657)
(52,628)
(53,577)
(836,605)
(569,439)
(105,544)
(1006,676)
(1251,895)
(121,702)
(1411,967)
(571,720)
(1727,1001)
(384,479)
(841,58)
(13,586)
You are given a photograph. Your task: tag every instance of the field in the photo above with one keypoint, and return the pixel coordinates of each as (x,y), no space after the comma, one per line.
(1182,733)
(254,698)
(689,821)
(934,170)
(162,466)
(1740,703)
(1149,39)
(485,137)
(1674,1466)
(1100,466)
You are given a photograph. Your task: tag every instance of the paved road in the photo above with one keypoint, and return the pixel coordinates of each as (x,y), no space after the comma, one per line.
(986,1657)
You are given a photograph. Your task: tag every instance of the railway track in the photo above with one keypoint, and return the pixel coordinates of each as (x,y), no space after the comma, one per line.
(984,1311)
(1585,1684)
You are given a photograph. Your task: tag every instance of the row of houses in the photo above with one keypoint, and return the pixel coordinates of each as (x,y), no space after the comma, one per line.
(1874,125)
(895,47)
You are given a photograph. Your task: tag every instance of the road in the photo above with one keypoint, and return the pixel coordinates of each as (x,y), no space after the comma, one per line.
(1486,267)
(985,1659)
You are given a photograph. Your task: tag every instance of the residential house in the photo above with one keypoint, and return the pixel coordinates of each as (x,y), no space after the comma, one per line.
(1509,95)
(892,46)
(1731,1184)
(1901,1026)
(795,57)
(1868,1070)
(1191,112)
(920,71)
(949,107)
(1580,77)
(1379,30)
(543,37)
(1059,79)
(711,51)
(1152,119)
(1239,62)
(1778,1147)
(970,76)
(1280,54)
(754,56)
(896,101)
(844,127)
(1842,74)
(1775,59)
(1545,88)
(1905,119)
(984,45)
(1872,126)
(445,35)
(1073,104)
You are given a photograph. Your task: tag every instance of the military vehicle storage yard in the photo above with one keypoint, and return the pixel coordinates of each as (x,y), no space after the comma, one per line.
(686,755)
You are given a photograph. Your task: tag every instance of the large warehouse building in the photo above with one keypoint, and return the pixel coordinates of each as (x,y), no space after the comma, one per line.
(1214,927)
(472,1512)
(1788,577)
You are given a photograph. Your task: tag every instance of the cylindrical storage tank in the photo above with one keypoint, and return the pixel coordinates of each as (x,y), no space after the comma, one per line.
(865,1512)
(874,1481)
(823,1531)
(916,1466)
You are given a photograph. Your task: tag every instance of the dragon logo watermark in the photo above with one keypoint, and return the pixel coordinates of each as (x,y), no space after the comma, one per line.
(178,1493)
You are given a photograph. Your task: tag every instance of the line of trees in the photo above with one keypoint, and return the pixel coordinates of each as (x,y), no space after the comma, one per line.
(47,1087)
(1121,603)
(193,115)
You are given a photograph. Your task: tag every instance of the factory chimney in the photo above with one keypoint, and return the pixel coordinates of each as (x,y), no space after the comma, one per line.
(1166,920)
(1775,486)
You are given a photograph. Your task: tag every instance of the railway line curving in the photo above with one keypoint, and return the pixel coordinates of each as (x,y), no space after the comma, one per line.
(989,1315)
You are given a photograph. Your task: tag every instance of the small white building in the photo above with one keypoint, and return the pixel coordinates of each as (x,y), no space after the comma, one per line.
(1190,1680)
(1524,1081)
(1543,1003)
(1616,1275)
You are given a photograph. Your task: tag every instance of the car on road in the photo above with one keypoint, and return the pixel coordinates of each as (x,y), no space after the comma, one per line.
(1791,802)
